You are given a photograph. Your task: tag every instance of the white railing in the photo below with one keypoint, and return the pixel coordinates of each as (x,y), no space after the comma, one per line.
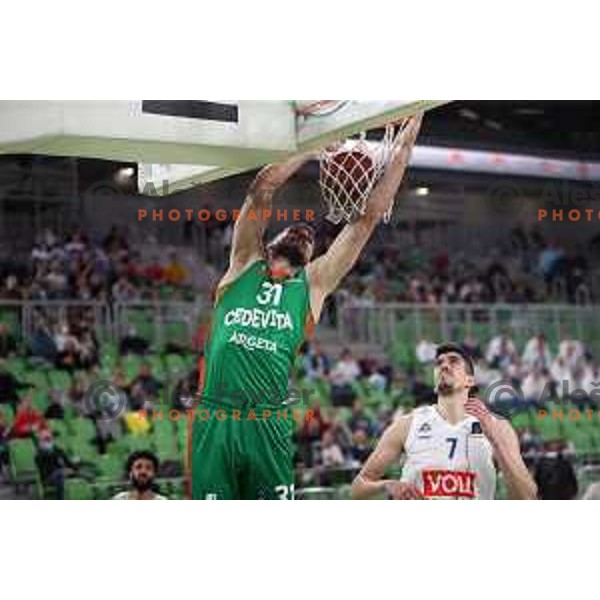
(392,323)
(160,321)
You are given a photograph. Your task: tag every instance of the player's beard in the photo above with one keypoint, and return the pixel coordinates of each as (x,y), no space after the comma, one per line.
(142,485)
(290,251)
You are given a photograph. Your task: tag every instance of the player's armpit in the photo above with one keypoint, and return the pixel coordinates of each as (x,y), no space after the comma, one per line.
(507,452)
(369,482)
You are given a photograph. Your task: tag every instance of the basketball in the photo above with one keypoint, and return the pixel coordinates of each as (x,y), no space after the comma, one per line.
(350,174)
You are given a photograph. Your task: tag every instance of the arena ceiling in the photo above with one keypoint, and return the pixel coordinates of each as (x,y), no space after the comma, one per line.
(558,128)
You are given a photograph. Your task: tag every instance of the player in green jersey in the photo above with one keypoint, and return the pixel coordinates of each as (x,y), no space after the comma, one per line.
(266,303)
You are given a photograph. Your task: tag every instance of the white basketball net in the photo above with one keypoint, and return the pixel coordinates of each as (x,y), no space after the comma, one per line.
(347,184)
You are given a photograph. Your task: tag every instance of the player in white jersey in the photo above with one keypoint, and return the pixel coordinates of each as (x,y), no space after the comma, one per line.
(451,447)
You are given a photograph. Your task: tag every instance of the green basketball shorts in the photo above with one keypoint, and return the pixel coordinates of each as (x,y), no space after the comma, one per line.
(243,453)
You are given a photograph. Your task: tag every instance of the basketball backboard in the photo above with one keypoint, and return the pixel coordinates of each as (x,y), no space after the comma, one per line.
(179,144)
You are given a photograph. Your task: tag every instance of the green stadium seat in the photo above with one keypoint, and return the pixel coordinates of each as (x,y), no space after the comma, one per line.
(105,490)
(158,367)
(40,401)
(548,429)
(182,437)
(78,489)
(9,413)
(17,366)
(165,443)
(521,420)
(59,431)
(83,429)
(59,379)
(176,363)
(38,379)
(132,443)
(172,488)
(110,466)
(23,468)
(583,442)
(83,450)
(501,493)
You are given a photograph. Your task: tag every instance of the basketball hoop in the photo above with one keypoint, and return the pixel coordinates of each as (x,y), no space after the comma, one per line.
(350,170)
(318,108)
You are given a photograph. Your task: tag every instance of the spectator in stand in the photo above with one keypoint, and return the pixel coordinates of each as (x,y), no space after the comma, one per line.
(360,447)
(531,443)
(76,246)
(590,382)
(142,467)
(359,419)
(555,477)
(175,272)
(471,347)
(9,386)
(133,343)
(11,290)
(67,346)
(42,343)
(331,453)
(378,380)
(500,351)
(344,374)
(340,431)
(537,353)
(425,351)
(56,282)
(385,416)
(53,463)
(536,387)
(572,351)
(8,344)
(563,377)
(75,395)
(28,421)
(4,435)
(55,409)
(88,350)
(485,375)
(124,291)
(515,371)
(316,362)
(183,396)
(146,381)
(549,261)
(310,434)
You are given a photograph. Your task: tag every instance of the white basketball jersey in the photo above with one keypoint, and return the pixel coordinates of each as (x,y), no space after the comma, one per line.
(448,461)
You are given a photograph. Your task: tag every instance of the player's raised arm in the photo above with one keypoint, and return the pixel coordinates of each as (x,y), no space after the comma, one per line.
(247,242)
(507,452)
(369,482)
(328,270)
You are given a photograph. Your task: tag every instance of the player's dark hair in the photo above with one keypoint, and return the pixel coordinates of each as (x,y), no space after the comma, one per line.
(146,454)
(448,347)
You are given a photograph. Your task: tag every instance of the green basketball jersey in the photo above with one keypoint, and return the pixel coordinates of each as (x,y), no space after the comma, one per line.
(257,328)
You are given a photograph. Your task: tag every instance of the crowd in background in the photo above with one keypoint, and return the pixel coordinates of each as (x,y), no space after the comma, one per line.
(396,266)
(525,267)
(80,266)
(77,266)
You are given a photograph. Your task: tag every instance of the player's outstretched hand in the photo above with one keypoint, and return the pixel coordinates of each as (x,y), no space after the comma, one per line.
(476,408)
(400,490)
